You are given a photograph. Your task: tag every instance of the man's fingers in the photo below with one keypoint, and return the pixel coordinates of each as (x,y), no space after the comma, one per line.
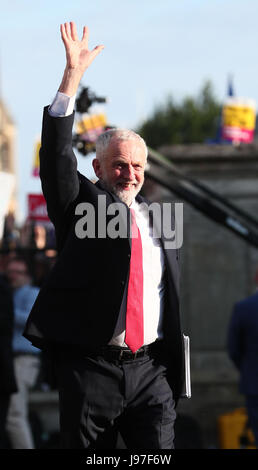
(97,50)
(73,31)
(85,36)
(63,33)
(68,30)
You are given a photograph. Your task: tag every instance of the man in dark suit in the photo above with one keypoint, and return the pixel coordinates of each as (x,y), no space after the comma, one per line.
(243,350)
(109,311)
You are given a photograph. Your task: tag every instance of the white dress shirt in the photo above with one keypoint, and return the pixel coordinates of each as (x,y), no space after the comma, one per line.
(62,105)
(153,258)
(153,283)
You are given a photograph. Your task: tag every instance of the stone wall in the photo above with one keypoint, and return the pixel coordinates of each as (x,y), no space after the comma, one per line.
(217,269)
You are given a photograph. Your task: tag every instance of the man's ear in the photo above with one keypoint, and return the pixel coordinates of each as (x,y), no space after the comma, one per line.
(97,167)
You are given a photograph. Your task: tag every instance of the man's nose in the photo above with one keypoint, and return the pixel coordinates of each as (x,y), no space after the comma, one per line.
(129,172)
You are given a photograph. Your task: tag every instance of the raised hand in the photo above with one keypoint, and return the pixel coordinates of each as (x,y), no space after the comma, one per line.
(78,56)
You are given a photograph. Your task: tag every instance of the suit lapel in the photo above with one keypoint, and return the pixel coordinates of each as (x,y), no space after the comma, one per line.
(170,255)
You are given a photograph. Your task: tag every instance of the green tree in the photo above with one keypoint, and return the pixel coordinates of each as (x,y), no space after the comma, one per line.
(191,121)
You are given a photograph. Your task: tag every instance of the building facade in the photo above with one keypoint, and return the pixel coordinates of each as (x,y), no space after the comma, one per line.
(217,269)
(7,149)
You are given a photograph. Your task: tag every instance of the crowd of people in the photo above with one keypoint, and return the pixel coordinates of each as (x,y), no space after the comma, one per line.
(20,363)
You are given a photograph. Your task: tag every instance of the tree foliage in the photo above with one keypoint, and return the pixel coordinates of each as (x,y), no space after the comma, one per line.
(193,120)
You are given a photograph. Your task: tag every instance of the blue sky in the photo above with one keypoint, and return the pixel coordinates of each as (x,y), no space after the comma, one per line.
(152,49)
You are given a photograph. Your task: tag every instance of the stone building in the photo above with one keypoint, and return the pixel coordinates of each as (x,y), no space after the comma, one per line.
(7,151)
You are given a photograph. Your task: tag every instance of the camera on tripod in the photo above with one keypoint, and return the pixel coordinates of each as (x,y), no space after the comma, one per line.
(90,126)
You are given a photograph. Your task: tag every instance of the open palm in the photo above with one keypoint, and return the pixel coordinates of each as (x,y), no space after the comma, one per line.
(78,55)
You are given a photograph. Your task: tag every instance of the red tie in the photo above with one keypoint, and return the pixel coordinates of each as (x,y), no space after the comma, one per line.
(134,312)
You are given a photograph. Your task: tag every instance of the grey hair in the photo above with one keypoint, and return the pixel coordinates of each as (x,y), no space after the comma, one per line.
(104,139)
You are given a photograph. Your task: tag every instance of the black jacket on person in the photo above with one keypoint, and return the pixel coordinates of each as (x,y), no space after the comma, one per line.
(7,376)
(79,303)
(243,343)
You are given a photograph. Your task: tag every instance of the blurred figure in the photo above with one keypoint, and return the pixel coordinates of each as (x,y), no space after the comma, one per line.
(7,378)
(243,350)
(40,236)
(26,357)
(25,234)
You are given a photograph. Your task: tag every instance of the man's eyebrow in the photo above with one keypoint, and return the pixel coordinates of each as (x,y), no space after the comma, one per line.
(119,160)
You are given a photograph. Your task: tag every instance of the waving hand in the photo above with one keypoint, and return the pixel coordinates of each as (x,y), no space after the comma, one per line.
(78,56)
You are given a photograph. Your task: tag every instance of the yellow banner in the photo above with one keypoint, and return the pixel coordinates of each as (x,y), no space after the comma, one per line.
(35,170)
(239,115)
(93,121)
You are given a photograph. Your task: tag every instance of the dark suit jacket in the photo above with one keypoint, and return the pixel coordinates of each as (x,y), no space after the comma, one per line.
(243,343)
(80,301)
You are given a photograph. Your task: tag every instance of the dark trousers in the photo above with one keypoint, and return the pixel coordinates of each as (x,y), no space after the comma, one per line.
(99,397)
(252,410)
(4,405)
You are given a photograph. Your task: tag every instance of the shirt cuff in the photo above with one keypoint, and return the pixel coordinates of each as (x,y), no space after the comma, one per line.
(62,105)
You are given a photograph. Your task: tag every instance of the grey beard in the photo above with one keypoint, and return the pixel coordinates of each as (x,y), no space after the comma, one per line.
(123,195)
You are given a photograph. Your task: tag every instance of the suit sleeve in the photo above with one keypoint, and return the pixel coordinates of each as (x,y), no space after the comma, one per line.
(58,166)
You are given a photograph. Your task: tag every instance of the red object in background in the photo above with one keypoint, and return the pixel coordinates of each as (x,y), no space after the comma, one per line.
(37,208)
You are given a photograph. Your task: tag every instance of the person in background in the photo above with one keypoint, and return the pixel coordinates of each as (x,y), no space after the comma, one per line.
(243,351)
(26,357)
(7,377)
